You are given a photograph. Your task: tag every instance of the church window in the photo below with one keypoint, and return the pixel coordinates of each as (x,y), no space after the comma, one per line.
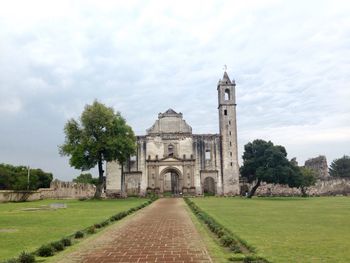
(207,155)
(225,112)
(229,122)
(230,153)
(231,163)
(227,94)
(230,143)
(170,150)
(230,132)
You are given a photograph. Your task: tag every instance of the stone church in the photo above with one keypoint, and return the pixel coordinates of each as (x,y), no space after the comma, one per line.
(171,159)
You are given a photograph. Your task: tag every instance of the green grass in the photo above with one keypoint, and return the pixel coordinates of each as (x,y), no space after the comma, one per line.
(218,253)
(287,229)
(27,230)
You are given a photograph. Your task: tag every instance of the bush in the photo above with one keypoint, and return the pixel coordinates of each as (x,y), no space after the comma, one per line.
(220,233)
(91,230)
(79,234)
(26,258)
(45,251)
(104,223)
(57,246)
(97,225)
(227,241)
(235,248)
(66,242)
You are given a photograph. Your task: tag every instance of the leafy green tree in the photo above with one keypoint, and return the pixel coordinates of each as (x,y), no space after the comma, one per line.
(265,162)
(303,178)
(100,135)
(86,178)
(340,167)
(16,178)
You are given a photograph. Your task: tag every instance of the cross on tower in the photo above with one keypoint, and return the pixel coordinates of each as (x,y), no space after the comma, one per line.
(225,67)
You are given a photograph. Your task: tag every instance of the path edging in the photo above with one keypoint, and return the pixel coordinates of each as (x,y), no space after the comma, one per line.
(243,252)
(88,231)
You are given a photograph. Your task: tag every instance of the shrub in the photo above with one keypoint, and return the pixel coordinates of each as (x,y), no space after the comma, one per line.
(45,251)
(26,258)
(57,246)
(79,234)
(235,248)
(104,223)
(91,230)
(66,242)
(97,225)
(227,240)
(220,233)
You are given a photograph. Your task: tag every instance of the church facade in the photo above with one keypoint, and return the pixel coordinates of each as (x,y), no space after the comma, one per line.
(171,159)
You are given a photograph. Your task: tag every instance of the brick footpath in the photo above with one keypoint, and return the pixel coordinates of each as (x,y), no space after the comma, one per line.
(162,232)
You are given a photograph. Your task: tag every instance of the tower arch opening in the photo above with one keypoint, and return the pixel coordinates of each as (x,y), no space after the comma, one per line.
(227,94)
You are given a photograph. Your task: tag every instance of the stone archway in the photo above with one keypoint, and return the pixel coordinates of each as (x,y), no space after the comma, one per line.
(171,178)
(209,186)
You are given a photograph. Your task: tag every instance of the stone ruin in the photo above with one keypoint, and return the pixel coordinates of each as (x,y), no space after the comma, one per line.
(58,190)
(319,165)
(326,185)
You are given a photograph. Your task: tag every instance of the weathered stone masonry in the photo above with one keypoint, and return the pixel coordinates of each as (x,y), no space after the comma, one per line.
(171,159)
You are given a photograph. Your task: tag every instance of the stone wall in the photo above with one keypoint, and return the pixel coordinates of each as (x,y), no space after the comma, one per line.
(319,165)
(57,190)
(325,187)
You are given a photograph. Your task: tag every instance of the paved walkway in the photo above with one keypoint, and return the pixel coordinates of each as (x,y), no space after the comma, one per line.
(162,232)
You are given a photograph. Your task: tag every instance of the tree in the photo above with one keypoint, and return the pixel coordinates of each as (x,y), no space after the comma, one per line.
(265,162)
(303,178)
(100,135)
(16,178)
(340,167)
(86,179)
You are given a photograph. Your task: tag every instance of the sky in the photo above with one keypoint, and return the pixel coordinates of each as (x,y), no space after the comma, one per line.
(290,61)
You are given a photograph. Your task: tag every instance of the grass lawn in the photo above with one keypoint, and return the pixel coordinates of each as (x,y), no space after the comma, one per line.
(287,229)
(27,230)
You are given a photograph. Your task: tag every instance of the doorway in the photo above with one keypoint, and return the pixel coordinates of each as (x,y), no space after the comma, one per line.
(172,182)
(209,186)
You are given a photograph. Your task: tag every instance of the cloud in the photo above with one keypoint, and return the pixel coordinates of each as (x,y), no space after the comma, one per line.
(290,61)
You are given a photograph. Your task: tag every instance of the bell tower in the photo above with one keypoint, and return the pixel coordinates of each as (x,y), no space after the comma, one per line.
(228,135)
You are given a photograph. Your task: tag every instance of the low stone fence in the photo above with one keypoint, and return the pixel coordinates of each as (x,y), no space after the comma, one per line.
(57,190)
(324,187)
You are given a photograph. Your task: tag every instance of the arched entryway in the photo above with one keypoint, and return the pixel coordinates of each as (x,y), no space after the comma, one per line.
(171,181)
(209,185)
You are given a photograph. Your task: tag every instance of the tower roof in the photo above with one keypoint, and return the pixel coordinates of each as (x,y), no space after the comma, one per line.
(226,80)
(170,111)
(226,77)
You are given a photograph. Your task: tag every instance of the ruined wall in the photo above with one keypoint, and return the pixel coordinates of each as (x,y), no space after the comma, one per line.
(324,187)
(319,165)
(57,190)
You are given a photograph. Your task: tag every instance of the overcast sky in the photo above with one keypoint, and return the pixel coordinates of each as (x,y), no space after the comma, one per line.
(290,60)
